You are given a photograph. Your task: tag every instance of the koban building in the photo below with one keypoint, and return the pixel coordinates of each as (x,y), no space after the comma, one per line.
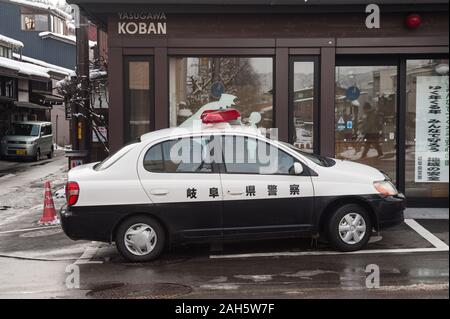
(329,82)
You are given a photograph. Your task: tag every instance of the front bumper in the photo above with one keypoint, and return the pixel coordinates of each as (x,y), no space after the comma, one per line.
(18,150)
(389,210)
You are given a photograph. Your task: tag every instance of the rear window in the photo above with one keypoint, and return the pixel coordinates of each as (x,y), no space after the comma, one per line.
(111,159)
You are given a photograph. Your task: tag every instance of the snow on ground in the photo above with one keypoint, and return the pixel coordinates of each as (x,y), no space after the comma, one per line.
(22,195)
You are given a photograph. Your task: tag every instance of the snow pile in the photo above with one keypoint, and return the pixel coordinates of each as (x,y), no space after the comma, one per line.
(44,6)
(96,73)
(47,34)
(52,67)
(24,68)
(10,41)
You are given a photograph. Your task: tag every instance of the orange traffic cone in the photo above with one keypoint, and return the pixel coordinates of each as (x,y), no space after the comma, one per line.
(49,216)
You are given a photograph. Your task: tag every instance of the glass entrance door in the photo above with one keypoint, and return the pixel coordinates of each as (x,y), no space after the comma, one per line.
(366,115)
(138,115)
(303,113)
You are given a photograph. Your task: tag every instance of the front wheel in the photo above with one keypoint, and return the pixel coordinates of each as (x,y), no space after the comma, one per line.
(349,228)
(37,156)
(140,239)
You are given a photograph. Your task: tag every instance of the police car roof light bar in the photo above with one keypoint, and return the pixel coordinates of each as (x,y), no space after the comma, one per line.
(219,116)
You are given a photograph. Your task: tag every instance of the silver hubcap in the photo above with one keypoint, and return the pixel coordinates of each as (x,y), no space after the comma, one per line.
(352,228)
(140,239)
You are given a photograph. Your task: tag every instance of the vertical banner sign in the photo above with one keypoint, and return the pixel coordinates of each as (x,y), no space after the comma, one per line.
(432,128)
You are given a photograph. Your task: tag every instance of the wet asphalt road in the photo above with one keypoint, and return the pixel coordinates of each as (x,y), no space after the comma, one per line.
(16,166)
(194,271)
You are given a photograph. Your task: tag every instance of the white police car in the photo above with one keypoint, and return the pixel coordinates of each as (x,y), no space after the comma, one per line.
(223,182)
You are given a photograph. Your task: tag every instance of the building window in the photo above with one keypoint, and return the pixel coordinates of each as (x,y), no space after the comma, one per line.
(8,87)
(57,25)
(196,81)
(427,128)
(35,22)
(366,116)
(5,52)
(138,93)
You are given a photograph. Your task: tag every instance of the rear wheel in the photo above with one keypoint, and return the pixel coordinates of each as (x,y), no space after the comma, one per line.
(37,156)
(349,228)
(50,155)
(140,238)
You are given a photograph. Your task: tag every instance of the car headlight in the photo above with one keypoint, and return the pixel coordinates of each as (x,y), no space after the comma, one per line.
(3,141)
(31,142)
(385,188)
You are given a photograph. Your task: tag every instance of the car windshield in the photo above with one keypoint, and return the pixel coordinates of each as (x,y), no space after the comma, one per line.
(114,157)
(317,159)
(23,130)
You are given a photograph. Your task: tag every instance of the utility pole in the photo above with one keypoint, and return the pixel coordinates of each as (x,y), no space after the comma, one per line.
(83,73)
(80,132)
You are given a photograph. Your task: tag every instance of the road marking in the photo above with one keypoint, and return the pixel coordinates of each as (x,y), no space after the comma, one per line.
(422,231)
(331,253)
(27,229)
(88,254)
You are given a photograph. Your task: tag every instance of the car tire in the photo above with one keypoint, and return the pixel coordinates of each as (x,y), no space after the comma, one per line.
(50,155)
(146,239)
(37,156)
(349,228)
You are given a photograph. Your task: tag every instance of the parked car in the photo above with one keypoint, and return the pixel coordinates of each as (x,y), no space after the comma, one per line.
(153,192)
(28,140)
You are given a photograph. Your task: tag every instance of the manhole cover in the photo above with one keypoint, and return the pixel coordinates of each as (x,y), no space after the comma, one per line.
(42,233)
(142,291)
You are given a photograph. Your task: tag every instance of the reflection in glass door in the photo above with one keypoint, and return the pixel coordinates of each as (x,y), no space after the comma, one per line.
(366,116)
(303,103)
(138,96)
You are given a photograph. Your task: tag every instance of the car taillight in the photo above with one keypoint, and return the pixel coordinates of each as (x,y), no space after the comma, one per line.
(72,192)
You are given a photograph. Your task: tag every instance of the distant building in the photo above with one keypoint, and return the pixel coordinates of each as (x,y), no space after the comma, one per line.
(27,89)
(47,31)
(47,38)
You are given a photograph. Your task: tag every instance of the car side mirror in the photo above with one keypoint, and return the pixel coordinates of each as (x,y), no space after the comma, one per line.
(298,168)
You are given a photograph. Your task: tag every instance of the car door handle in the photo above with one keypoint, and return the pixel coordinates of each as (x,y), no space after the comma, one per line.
(159,191)
(235,192)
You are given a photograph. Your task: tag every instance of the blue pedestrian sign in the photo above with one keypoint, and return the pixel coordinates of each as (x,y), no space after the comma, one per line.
(217,88)
(352,93)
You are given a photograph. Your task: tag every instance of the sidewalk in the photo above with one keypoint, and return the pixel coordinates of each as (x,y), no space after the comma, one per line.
(427,213)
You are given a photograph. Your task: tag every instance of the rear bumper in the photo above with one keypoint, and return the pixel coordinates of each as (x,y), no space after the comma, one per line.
(78,224)
(389,210)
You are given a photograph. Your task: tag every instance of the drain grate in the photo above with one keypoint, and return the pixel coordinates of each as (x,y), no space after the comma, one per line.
(141,291)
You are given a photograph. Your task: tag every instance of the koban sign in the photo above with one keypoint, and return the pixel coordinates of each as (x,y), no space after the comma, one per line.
(148,23)
(142,28)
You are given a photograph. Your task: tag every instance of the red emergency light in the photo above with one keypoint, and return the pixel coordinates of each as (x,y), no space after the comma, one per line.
(219,116)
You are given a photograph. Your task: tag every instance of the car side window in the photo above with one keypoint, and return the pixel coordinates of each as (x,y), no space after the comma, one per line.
(246,155)
(186,155)
(46,130)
